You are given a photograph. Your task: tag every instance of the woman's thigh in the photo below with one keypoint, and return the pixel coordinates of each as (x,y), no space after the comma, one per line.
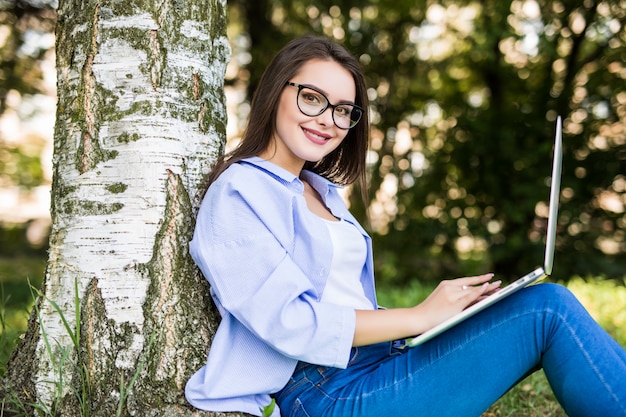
(459,373)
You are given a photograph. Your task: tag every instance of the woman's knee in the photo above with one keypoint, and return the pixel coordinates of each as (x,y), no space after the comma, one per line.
(551,297)
(551,292)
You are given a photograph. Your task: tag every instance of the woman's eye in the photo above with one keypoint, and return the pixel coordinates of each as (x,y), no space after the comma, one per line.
(311,97)
(343,111)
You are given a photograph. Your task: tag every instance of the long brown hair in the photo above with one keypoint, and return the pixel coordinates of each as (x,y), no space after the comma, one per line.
(344,165)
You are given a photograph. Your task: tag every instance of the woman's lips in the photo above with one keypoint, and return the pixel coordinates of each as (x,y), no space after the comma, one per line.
(315,136)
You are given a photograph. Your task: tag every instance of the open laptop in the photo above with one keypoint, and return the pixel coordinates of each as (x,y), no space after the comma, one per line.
(528,279)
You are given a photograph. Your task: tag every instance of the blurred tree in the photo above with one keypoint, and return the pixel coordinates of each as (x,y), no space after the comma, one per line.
(464,99)
(26,110)
(22,25)
(26,36)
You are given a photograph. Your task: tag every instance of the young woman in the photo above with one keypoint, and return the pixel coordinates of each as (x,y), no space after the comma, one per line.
(291,273)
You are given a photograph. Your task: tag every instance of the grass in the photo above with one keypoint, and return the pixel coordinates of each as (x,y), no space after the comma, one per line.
(14,311)
(530,398)
(16,300)
(605,300)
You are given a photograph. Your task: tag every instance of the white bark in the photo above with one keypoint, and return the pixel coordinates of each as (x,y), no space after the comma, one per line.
(141,117)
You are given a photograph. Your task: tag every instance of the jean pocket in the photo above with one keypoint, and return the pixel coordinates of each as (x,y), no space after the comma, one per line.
(320,375)
(354,355)
(292,387)
(323,374)
(298,410)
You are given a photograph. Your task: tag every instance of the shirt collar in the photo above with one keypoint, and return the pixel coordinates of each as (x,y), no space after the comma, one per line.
(319,183)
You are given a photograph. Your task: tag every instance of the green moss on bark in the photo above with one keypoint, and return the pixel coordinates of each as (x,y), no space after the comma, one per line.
(116,188)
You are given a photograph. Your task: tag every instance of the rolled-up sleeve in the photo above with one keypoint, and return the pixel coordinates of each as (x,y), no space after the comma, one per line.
(245,245)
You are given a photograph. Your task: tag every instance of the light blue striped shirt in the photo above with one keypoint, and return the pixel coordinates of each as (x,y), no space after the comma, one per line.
(267,258)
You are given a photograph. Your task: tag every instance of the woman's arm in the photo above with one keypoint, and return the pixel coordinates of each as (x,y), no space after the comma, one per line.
(449,298)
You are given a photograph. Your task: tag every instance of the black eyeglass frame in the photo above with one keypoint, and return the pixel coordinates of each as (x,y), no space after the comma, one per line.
(328,104)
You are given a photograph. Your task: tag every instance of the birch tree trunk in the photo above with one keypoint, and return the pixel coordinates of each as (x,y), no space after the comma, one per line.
(124,317)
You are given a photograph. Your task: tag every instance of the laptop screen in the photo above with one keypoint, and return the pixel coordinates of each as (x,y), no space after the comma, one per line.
(555,190)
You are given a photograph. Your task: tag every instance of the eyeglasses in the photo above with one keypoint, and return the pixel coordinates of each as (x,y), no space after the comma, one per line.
(312,102)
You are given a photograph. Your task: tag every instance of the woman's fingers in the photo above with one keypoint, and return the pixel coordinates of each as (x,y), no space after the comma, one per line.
(490,289)
(473,281)
(453,296)
(485,288)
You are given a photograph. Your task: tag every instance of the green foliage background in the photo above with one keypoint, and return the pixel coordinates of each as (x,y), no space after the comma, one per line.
(476,87)
(464,95)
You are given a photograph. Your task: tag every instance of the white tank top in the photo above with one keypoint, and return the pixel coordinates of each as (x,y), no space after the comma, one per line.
(349,253)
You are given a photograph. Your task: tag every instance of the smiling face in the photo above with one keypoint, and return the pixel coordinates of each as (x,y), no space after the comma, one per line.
(300,138)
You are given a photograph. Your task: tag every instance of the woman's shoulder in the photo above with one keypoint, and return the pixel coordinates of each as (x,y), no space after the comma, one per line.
(237,176)
(245,193)
(255,174)
(253,186)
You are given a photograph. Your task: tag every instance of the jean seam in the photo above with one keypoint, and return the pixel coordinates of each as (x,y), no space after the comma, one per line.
(293,386)
(585,354)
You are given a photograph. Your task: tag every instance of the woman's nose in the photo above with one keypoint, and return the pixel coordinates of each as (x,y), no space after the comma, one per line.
(326,117)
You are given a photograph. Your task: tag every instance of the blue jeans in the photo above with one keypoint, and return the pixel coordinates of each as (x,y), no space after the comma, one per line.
(466,369)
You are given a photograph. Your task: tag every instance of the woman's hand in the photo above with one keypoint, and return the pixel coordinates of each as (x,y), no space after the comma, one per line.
(453,296)
(449,298)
